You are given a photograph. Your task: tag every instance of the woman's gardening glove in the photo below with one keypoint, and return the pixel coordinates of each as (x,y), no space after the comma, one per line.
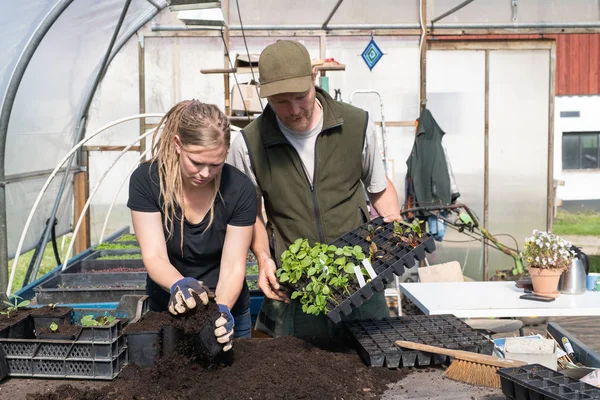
(224,325)
(184,294)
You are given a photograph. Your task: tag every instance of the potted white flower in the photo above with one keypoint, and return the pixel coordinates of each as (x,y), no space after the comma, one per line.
(547,257)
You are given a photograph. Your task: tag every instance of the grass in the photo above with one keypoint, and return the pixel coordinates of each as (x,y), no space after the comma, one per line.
(584,224)
(594,263)
(48,262)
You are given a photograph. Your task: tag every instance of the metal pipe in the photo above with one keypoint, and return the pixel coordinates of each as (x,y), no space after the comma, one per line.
(7,105)
(526,25)
(33,175)
(451,11)
(82,118)
(335,8)
(47,183)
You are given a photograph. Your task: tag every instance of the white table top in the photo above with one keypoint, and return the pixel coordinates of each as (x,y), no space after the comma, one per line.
(494,299)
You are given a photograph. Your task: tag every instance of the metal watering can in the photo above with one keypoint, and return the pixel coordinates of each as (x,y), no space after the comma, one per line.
(572,281)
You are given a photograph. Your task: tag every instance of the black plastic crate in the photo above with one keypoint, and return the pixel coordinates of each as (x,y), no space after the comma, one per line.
(63,368)
(51,292)
(376,340)
(392,259)
(536,381)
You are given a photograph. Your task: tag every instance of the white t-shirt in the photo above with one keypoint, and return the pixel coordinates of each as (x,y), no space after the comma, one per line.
(373,172)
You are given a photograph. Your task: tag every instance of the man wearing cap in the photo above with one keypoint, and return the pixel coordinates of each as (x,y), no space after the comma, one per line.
(308,156)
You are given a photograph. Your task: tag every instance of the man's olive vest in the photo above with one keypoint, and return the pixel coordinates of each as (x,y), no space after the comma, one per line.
(335,203)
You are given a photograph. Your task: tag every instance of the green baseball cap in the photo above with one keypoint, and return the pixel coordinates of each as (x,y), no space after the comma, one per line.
(284,67)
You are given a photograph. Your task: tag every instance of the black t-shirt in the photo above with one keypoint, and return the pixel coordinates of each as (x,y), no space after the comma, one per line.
(202,251)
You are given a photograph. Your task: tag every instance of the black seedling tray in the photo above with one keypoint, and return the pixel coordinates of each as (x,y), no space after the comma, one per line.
(376,339)
(392,258)
(536,382)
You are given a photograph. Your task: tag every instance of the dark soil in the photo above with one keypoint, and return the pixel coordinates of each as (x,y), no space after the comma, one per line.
(63,330)
(152,321)
(118,269)
(193,321)
(266,369)
(49,311)
(14,316)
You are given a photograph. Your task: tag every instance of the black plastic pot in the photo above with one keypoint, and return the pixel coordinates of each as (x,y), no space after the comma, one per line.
(44,321)
(204,344)
(19,328)
(144,347)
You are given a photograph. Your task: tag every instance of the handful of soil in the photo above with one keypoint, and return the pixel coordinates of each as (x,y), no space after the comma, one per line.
(197,327)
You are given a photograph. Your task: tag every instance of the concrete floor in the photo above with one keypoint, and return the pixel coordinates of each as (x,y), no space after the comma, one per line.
(432,385)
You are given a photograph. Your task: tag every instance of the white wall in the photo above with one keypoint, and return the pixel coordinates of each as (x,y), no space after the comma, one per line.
(584,184)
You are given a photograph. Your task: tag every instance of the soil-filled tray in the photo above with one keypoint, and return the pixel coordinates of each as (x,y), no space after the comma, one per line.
(391,258)
(376,339)
(109,261)
(90,288)
(536,382)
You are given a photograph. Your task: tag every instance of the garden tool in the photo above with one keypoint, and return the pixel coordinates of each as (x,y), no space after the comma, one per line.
(468,367)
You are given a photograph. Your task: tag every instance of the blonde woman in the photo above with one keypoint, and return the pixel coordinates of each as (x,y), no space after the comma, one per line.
(188,177)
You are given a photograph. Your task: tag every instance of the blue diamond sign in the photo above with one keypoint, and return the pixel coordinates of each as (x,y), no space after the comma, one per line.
(372,54)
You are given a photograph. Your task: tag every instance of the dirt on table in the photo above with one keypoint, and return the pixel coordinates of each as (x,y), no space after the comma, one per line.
(152,321)
(50,311)
(268,369)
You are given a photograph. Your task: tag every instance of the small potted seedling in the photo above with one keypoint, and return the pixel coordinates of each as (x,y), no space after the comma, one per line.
(59,332)
(44,316)
(14,319)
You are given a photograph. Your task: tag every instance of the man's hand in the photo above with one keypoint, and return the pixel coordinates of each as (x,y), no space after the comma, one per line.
(267,281)
(224,327)
(393,218)
(184,293)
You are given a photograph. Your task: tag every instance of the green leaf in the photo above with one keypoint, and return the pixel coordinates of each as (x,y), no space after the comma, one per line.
(360,257)
(306,262)
(326,290)
(284,277)
(349,268)
(295,295)
(357,249)
(331,248)
(320,300)
(311,271)
(298,275)
(305,308)
(340,261)
(301,255)
(53,326)
(339,252)
(294,247)
(8,303)
(24,303)
(312,310)
(347,252)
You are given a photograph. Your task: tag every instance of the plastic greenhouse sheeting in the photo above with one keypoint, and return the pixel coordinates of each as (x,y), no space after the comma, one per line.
(51,95)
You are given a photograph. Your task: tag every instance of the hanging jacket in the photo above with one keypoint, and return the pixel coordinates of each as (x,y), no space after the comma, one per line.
(428,177)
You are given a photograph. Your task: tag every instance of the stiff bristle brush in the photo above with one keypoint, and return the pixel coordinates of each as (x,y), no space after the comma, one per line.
(468,367)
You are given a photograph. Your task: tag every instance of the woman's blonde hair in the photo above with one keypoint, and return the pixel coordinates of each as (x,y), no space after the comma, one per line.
(196,124)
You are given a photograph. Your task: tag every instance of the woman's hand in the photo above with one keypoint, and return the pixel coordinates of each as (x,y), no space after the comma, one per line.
(184,293)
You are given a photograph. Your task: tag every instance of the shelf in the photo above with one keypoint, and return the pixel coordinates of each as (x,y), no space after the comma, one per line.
(335,67)
(240,70)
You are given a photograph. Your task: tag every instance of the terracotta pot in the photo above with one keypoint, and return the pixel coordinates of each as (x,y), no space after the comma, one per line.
(545,281)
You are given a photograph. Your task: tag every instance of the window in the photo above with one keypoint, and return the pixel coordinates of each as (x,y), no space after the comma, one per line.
(581,150)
